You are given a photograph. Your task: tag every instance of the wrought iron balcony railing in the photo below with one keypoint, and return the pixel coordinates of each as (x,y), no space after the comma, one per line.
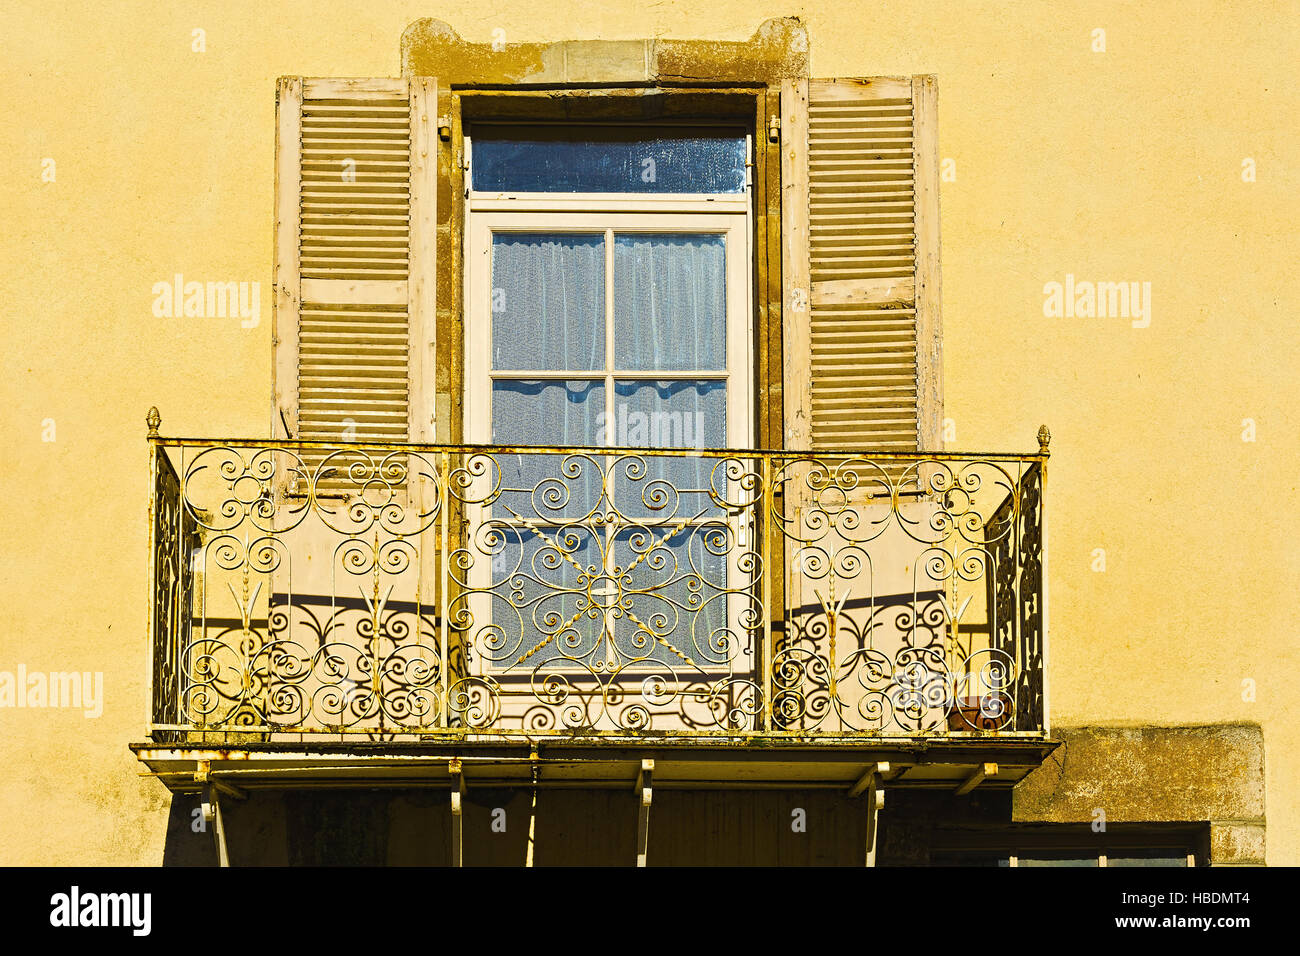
(406,591)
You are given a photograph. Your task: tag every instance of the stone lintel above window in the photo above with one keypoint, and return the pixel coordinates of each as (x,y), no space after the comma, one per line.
(777,50)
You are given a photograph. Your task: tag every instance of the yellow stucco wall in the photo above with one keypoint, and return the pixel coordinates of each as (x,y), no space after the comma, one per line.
(1117,166)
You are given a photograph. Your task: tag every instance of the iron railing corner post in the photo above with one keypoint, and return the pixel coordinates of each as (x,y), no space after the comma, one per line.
(183,604)
(151,627)
(1044,437)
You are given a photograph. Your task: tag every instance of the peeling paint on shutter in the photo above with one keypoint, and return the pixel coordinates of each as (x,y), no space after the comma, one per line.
(354,257)
(870,379)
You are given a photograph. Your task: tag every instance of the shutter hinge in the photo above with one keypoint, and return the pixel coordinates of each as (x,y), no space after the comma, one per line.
(444,128)
(774,129)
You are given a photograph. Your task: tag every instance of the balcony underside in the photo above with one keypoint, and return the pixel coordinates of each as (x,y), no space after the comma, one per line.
(696,764)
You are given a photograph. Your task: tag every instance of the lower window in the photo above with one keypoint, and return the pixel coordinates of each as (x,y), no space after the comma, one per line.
(1073,844)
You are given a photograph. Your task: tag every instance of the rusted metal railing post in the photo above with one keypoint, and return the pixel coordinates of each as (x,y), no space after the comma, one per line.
(152,420)
(1044,439)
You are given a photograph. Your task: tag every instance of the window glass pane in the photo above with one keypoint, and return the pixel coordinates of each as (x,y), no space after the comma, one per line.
(547,413)
(1045,859)
(670,414)
(540,576)
(607,159)
(670,301)
(1147,858)
(684,414)
(969,858)
(674,592)
(548,301)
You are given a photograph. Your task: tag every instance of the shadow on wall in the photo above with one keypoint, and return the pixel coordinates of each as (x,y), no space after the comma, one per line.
(573,828)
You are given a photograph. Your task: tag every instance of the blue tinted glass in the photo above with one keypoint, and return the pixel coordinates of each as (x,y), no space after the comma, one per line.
(547,413)
(542,611)
(1146,858)
(674,591)
(608,159)
(671,414)
(1057,859)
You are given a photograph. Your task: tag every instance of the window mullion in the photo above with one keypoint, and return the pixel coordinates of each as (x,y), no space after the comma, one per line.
(611,422)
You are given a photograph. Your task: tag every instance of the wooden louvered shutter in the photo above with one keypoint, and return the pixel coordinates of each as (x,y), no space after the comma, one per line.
(355,232)
(860,217)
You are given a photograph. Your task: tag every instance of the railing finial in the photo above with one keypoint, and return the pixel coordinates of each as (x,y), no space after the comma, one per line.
(1044,436)
(153,420)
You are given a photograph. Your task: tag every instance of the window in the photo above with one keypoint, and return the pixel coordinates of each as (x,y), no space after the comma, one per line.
(608,159)
(757,257)
(610,320)
(851,295)
(599,319)
(1071,844)
(608,330)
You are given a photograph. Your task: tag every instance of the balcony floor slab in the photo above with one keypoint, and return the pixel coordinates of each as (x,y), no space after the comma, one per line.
(694,764)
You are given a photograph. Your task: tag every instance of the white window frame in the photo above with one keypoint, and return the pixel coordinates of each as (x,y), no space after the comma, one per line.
(726,214)
(479,374)
(730,214)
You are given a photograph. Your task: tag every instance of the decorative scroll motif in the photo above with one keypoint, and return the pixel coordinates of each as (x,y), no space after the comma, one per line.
(607,592)
(385,591)
(309,574)
(904,649)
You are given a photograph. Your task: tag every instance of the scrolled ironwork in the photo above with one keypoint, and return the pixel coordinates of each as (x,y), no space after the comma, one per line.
(389,590)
